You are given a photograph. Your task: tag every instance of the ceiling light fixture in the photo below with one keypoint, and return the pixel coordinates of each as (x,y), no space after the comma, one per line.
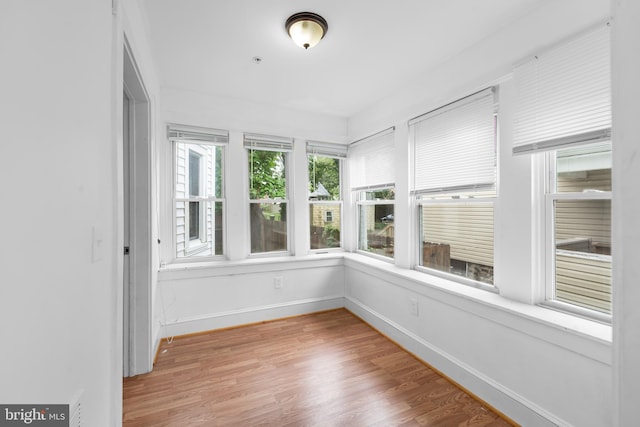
(306,29)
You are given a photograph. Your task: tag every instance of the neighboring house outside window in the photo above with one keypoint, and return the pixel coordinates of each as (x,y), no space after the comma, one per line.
(324,162)
(268,195)
(455,188)
(199,191)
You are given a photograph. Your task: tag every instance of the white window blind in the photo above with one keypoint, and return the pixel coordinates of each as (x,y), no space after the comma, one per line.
(564,94)
(454,146)
(196,134)
(371,161)
(267,143)
(327,149)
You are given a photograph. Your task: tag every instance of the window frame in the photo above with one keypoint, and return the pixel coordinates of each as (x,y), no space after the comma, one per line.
(551,195)
(360,201)
(338,153)
(193,135)
(420,202)
(196,244)
(272,144)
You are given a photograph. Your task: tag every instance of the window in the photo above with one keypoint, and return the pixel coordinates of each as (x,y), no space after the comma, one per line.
(268,201)
(579,223)
(196,228)
(563,111)
(372,177)
(376,221)
(199,190)
(325,195)
(328,216)
(454,187)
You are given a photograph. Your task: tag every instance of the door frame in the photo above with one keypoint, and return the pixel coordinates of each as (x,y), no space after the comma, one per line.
(137,186)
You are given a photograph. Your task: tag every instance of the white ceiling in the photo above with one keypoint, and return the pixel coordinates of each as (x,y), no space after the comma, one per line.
(372,46)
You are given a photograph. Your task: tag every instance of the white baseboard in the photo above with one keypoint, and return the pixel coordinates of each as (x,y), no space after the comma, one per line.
(494,394)
(250,315)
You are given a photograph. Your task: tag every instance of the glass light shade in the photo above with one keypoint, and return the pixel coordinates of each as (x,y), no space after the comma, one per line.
(306,34)
(306,29)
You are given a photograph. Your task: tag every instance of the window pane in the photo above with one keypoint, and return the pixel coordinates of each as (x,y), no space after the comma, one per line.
(199,170)
(194,173)
(584,168)
(199,229)
(583,249)
(218,172)
(386,194)
(267,178)
(324,178)
(376,234)
(268,227)
(458,238)
(194,220)
(325,225)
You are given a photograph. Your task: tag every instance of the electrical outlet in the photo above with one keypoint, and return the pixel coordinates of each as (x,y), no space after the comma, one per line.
(414,306)
(278,282)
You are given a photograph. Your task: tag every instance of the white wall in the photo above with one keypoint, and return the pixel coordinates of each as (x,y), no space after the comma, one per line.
(236,293)
(626,210)
(488,60)
(61,293)
(58,298)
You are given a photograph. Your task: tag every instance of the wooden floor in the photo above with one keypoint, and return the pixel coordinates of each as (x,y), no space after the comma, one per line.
(324,369)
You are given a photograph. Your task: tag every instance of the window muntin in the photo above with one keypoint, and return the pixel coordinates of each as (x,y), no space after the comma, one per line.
(199,201)
(325,201)
(579,224)
(376,221)
(268,200)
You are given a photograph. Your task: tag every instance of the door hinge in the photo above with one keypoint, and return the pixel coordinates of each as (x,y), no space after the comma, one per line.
(126,250)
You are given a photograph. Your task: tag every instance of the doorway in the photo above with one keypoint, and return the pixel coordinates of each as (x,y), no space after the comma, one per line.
(136,170)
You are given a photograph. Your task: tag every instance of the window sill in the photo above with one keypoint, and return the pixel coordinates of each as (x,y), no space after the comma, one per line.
(213,268)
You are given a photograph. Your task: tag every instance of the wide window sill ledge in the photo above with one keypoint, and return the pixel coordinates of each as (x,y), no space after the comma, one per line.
(189,270)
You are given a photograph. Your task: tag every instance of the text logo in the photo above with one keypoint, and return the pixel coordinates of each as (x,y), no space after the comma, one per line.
(34,415)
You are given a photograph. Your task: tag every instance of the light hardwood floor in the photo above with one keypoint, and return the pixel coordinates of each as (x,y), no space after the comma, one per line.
(323,369)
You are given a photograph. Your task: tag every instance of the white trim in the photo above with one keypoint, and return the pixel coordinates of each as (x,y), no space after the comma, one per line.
(326,149)
(185,133)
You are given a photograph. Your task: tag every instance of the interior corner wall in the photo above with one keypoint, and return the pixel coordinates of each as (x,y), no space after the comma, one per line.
(58,299)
